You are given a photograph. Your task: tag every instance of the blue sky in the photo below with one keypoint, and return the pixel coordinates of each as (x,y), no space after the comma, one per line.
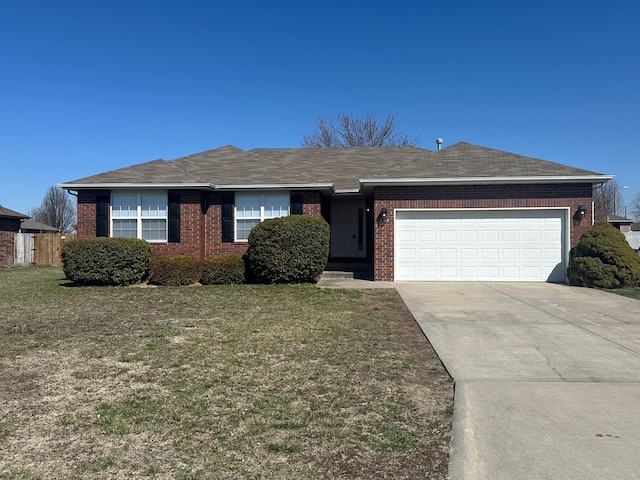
(89,86)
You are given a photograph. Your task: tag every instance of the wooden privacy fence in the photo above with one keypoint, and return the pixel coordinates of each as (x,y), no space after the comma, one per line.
(40,248)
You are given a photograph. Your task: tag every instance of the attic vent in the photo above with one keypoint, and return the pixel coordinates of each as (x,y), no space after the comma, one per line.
(439,143)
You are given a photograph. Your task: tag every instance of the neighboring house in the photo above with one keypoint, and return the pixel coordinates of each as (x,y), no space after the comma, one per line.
(9,226)
(31,226)
(461,213)
(621,223)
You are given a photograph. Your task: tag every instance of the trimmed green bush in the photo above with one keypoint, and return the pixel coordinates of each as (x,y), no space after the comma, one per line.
(291,249)
(106,261)
(227,269)
(174,270)
(604,259)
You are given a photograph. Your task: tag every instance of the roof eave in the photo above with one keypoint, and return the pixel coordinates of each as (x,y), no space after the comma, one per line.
(276,186)
(134,186)
(384,182)
(195,186)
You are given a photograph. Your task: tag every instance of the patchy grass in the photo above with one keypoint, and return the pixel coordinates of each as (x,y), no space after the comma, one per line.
(217,382)
(633,292)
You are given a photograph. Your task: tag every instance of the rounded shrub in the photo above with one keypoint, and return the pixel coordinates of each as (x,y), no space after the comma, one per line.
(291,249)
(174,270)
(604,259)
(227,269)
(106,261)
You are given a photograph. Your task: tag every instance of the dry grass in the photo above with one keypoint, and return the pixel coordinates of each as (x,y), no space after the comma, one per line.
(287,382)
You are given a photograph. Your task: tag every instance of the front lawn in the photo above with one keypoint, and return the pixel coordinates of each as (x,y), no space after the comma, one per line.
(633,292)
(282,382)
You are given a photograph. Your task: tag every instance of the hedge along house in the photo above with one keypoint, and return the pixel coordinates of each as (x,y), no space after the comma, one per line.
(463,212)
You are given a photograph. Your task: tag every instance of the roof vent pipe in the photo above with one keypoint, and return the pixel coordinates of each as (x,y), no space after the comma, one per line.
(439,143)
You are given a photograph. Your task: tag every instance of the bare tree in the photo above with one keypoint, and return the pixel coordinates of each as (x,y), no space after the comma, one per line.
(608,199)
(634,208)
(351,131)
(56,210)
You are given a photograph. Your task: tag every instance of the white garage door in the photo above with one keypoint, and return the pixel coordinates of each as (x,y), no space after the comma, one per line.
(480,245)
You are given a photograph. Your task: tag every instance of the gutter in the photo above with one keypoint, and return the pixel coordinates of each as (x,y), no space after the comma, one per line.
(136,186)
(194,186)
(390,182)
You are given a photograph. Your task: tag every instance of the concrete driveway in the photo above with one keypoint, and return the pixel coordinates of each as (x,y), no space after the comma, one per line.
(547,377)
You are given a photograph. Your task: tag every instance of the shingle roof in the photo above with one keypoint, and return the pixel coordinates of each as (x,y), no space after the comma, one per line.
(28,224)
(8,213)
(343,168)
(617,218)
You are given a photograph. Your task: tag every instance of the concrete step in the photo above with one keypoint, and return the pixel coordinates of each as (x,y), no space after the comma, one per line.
(333,275)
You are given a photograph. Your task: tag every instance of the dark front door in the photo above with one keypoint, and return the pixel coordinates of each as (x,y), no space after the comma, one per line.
(348,230)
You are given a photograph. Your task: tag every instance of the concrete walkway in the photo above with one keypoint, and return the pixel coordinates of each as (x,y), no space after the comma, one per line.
(547,378)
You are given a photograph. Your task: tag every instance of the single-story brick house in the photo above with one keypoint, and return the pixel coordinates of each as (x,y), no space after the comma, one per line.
(9,225)
(464,212)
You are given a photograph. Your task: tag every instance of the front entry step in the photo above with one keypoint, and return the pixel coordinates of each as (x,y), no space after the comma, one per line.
(360,270)
(333,274)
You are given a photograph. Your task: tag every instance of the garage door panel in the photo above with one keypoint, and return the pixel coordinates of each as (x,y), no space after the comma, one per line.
(511,254)
(531,253)
(449,272)
(532,272)
(531,236)
(427,271)
(489,236)
(468,253)
(511,272)
(469,272)
(552,254)
(448,254)
(552,235)
(407,272)
(427,235)
(488,253)
(407,236)
(468,236)
(512,245)
(447,235)
(510,235)
(489,272)
(427,253)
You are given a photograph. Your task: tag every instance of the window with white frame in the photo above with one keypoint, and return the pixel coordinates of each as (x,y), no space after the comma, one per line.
(252,208)
(139,215)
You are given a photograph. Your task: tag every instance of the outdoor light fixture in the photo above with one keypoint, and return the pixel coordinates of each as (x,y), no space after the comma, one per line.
(581,212)
(382,216)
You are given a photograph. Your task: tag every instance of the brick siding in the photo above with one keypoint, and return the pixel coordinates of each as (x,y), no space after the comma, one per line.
(86,223)
(476,196)
(8,228)
(200,222)
(201,214)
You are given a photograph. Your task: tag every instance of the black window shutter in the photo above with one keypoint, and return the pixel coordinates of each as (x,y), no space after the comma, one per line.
(296,204)
(227,217)
(102,215)
(174,217)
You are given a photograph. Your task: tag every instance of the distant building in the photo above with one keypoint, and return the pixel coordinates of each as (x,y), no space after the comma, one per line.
(9,225)
(621,223)
(31,226)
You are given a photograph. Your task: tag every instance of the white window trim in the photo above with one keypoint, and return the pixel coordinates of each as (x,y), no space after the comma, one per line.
(262,217)
(139,216)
